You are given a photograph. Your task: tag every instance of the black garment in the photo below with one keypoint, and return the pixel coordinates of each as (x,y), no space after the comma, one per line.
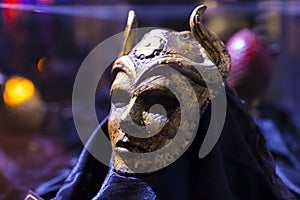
(116,186)
(283,140)
(239,167)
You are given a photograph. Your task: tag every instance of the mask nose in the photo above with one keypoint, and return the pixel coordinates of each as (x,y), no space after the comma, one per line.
(143,123)
(131,123)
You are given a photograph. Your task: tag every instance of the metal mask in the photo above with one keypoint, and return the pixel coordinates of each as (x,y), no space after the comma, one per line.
(146,114)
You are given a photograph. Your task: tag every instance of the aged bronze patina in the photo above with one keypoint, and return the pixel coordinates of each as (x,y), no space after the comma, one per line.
(140,94)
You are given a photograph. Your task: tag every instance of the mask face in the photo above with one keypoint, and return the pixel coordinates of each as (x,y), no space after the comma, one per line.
(156,96)
(142,114)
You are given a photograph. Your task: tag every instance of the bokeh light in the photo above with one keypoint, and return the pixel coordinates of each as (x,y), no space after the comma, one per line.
(41,64)
(17,90)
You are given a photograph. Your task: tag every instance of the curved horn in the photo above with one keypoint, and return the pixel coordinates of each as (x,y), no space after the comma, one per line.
(212,44)
(129,35)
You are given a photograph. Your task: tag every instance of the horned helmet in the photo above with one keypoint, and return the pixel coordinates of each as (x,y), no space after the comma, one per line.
(146,114)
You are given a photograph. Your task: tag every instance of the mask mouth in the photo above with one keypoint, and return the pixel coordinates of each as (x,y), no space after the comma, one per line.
(133,144)
(130,146)
(129,143)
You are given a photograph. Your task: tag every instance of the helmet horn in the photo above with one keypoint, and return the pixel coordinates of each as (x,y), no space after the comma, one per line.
(213,45)
(129,38)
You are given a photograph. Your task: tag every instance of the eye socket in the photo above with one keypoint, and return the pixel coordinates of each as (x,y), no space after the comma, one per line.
(120,98)
(159,101)
(163,97)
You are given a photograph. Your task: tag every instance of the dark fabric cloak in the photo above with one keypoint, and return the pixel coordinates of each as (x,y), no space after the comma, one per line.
(239,167)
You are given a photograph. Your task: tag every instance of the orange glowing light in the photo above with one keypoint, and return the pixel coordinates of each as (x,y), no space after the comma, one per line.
(41,64)
(17,90)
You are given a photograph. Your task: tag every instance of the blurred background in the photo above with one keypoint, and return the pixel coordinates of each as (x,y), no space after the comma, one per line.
(44,42)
